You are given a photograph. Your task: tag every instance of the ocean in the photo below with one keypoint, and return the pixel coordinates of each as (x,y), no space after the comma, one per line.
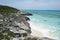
(46,22)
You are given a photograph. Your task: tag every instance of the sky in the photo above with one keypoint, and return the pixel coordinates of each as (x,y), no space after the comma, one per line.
(33,4)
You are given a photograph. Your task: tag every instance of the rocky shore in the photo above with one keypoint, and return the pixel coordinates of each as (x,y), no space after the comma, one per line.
(14,25)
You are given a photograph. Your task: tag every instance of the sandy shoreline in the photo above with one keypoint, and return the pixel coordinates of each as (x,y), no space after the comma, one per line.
(39,31)
(36,33)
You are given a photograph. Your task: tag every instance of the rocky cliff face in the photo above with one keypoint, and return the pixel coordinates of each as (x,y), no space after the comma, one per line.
(13,21)
(11,16)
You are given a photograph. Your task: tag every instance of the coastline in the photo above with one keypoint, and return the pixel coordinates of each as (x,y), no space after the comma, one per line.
(40,32)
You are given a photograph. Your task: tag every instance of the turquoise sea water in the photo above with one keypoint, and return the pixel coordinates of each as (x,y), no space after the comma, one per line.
(48,19)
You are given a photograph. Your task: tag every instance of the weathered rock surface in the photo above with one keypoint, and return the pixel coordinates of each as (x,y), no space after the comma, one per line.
(14,20)
(15,17)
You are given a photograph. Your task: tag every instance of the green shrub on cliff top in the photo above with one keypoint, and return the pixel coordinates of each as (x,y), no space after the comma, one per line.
(6,10)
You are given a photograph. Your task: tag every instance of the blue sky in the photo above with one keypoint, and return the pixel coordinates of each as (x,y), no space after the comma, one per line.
(33,4)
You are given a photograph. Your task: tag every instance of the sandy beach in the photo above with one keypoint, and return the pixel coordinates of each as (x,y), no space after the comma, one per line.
(38,31)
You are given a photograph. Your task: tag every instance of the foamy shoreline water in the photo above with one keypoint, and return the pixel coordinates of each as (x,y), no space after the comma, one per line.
(40,32)
(45,22)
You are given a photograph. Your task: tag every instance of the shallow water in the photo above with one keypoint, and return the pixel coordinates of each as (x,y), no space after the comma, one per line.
(47,22)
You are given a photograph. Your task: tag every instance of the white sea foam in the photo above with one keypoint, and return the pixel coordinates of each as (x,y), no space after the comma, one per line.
(41,30)
(45,23)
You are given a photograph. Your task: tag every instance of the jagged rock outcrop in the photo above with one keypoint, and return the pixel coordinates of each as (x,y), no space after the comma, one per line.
(13,23)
